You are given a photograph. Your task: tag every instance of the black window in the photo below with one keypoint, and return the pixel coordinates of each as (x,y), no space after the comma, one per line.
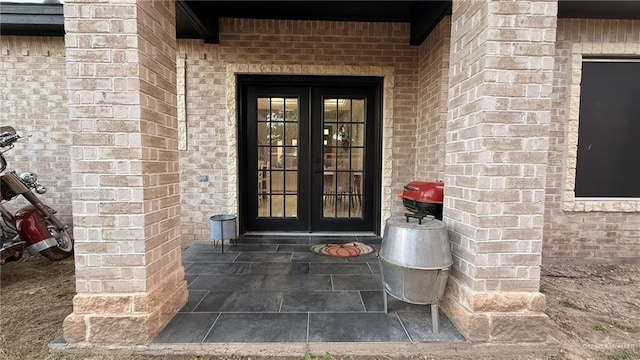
(609,130)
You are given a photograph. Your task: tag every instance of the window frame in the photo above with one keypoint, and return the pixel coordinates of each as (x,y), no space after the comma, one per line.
(570,201)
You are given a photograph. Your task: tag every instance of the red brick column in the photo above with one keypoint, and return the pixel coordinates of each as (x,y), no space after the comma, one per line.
(121,79)
(501,71)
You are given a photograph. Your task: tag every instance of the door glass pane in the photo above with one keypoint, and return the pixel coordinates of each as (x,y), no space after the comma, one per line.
(357,114)
(291,110)
(357,134)
(291,182)
(330,110)
(343,158)
(291,202)
(277,183)
(263,108)
(277,109)
(291,134)
(357,159)
(264,133)
(277,207)
(277,151)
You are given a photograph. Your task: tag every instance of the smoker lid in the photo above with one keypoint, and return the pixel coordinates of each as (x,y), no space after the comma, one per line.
(424,191)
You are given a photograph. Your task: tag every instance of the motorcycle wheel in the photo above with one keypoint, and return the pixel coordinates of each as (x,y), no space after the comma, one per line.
(10,235)
(65,244)
(16,257)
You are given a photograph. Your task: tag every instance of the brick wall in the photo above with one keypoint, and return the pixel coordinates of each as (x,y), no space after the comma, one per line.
(121,83)
(496,141)
(355,47)
(34,101)
(206,141)
(495,162)
(573,230)
(158,124)
(433,98)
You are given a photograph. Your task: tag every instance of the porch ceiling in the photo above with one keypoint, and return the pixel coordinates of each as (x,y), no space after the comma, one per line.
(198,19)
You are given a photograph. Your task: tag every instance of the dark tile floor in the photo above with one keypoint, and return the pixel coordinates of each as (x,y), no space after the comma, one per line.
(273,289)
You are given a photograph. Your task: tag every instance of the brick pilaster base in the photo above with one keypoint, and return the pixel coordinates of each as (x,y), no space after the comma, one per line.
(128,318)
(496,316)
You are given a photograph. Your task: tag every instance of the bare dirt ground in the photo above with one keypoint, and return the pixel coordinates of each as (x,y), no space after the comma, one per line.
(594,309)
(594,312)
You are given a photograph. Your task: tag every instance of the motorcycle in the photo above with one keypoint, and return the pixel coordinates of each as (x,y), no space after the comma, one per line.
(34,227)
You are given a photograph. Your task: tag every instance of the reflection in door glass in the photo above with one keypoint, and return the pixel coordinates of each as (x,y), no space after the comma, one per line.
(277,165)
(343,151)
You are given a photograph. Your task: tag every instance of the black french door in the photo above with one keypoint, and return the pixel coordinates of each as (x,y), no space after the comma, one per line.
(309,153)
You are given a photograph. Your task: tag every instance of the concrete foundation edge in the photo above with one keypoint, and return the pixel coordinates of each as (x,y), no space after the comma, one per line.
(445,349)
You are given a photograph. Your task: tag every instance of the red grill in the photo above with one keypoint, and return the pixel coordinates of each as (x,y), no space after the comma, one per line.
(423,198)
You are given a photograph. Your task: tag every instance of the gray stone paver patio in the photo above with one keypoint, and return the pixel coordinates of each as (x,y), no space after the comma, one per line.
(272,289)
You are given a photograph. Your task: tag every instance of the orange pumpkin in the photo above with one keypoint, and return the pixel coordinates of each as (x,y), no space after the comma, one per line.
(341,251)
(320,249)
(364,248)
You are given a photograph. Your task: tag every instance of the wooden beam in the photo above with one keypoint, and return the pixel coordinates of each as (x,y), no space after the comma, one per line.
(31,19)
(208,30)
(426,16)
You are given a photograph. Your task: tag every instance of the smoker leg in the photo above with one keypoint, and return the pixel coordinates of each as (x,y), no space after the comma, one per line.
(435,318)
(222,236)
(384,293)
(384,288)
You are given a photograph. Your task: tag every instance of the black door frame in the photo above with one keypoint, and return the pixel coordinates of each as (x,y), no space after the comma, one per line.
(375,183)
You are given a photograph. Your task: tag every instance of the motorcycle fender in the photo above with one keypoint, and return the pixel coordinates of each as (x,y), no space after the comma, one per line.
(33,229)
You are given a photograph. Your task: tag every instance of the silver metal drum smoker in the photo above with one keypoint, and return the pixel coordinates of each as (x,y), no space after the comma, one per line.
(415,260)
